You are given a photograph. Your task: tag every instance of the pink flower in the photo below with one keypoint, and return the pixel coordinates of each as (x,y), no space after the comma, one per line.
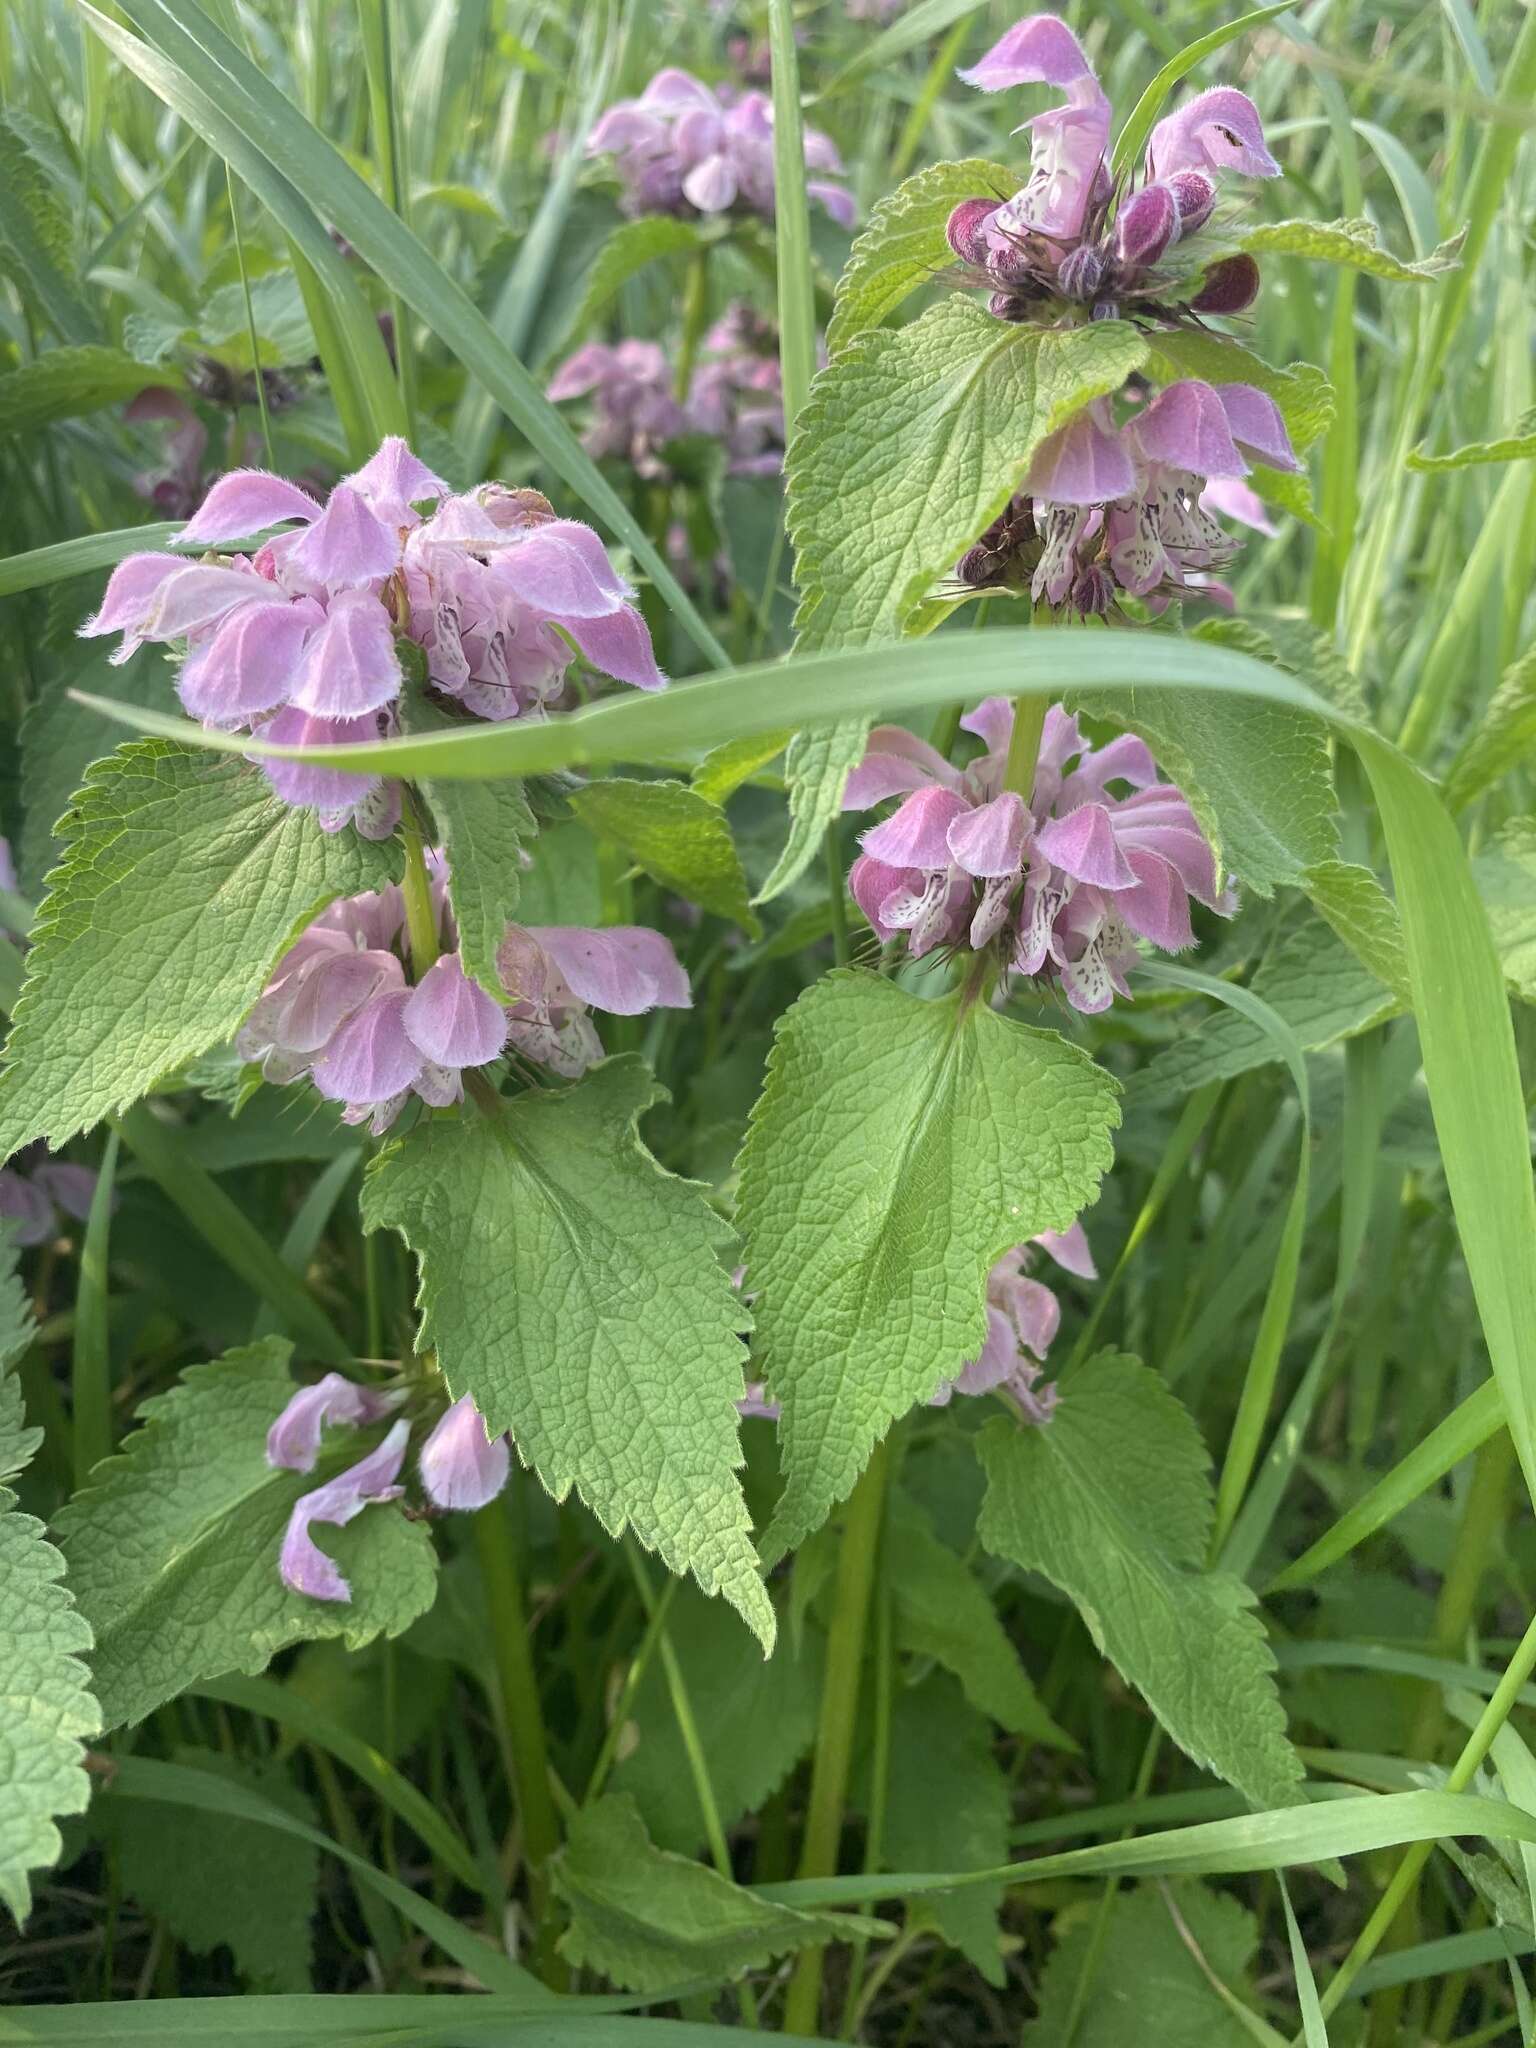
(293,1441)
(303,1565)
(461,1467)
(299,643)
(554,973)
(1067,883)
(1022,1319)
(684,147)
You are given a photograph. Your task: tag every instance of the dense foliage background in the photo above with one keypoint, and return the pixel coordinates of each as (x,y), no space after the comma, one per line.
(1216,1683)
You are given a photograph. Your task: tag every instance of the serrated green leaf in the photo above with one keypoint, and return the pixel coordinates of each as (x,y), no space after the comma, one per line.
(68,382)
(182,880)
(910,444)
(238,1885)
(949,1804)
(679,837)
(903,247)
(1508,448)
(483,827)
(1112,1502)
(1363,915)
(1148,1986)
(1313,981)
(631,248)
(1258,777)
(37,241)
(172,1548)
(755,1722)
(942,1611)
(1503,738)
(1506,881)
(647,1919)
(46,1709)
(282,325)
(575,1290)
(898,1149)
(724,769)
(1352,243)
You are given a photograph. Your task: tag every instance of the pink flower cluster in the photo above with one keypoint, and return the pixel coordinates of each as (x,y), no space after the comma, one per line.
(1054,239)
(298,642)
(735,397)
(37,1192)
(684,147)
(460,1467)
(340,1009)
(1065,884)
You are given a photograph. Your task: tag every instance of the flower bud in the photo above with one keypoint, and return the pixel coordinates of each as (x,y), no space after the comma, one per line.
(1231,286)
(1008,306)
(1094,591)
(963,230)
(1146,225)
(1081,272)
(462,1467)
(1009,265)
(1194,194)
(975,567)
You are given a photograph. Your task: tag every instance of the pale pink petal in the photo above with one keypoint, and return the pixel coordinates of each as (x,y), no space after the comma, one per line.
(329,992)
(393,481)
(872,885)
(562,569)
(304,1566)
(619,645)
(451,1020)
(293,1441)
(1186,427)
(1083,845)
(894,762)
(582,372)
(1041,50)
(1082,463)
(350,664)
(1070,1249)
(198,595)
(990,840)
(839,202)
(917,836)
(242,504)
(346,547)
(461,1467)
(251,663)
(1257,426)
(711,185)
(1157,908)
(1218,130)
(129,594)
(370,1057)
(1234,499)
(625,970)
(992,721)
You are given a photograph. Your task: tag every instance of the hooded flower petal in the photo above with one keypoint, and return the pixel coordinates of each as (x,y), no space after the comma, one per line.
(1219,130)
(989,841)
(350,665)
(451,1020)
(242,504)
(460,1466)
(1256,425)
(346,547)
(619,645)
(873,885)
(293,1441)
(304,783)
(393,481)
(370,1058)
(625,970)
(562,569)
(198,595)
(1040,50)
(252,662)
(1070,1249)
(1185,426)
(1085,462)
(304,1566)
(1083,845)
(894,762)
(329,992)
(127,599)
(917,835)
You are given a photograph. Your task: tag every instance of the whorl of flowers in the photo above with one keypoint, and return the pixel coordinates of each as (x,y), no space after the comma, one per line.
(298,643)
(340,1008)
(1071,234)
(735,397)
(1103,854)
(687,148)
(1109,511)
(459,1467)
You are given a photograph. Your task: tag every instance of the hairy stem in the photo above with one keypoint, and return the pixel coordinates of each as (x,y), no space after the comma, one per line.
(420,911)
(1024,746)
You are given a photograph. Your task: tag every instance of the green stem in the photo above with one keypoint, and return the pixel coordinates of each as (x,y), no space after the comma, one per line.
(695,319)
(839,1713)
(656,1618)
(879,1794)
(420,911)
(1024,746)
(836,886)
(91,1371)
(522,1716)
(1461,1773)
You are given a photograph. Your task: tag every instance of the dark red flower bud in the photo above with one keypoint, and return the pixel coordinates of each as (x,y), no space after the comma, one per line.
(1231,286)
(1081,272)
(975,567)
(1008,306)
(1145,226)
(963,229)
(1194,194)
(1011,266)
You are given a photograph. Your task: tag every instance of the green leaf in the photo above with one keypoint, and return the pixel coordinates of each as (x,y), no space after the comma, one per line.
(1147,1985)
(1363,915)
(950,1803)
(483,827)
(898,1149)
(238,1885)
(282,325)
(1316,985)
(631,248)
(67,382)
(647,1919)
(903,247)
(575,1290)
(942,1611)
(912,442)
(37,239)
(182,880)
(817,766)
(755,1721)
(724,769)
(1351,243)
(1257,776)
(679,837)
(1506,881)
(1112,1502)
(1503,738)
(172,1548)
(45,1707)
(1518,447)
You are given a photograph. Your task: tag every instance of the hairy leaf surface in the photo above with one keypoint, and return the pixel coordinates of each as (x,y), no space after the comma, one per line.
(898,1148)
(904,246)
(680,837)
